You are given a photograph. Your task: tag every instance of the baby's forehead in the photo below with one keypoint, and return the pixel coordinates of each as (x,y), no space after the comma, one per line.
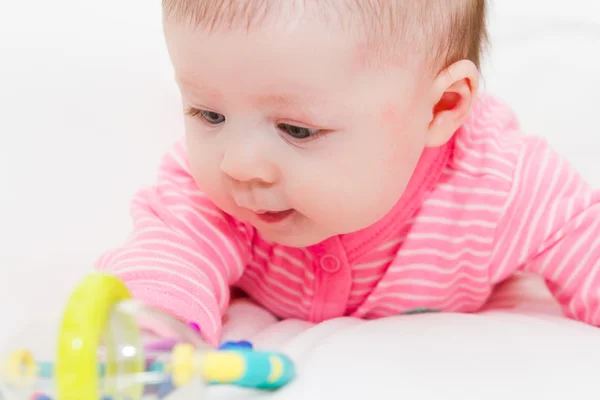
(249,14)
(439,31)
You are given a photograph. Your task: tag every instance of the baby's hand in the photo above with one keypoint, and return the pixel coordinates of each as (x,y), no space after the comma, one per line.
(168,343)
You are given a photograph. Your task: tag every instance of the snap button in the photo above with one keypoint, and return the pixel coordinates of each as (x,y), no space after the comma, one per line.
(330,263)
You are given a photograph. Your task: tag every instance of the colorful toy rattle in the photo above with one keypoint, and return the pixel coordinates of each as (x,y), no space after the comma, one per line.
(109,349)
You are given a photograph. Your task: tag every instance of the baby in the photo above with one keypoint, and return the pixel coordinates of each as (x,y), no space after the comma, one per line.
(339,161)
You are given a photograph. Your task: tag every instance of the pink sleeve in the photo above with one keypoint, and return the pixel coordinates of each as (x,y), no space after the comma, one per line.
(183,253)
(551,227)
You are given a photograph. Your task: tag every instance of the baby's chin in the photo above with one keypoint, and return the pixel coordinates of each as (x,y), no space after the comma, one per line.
(301,236)
(297,239)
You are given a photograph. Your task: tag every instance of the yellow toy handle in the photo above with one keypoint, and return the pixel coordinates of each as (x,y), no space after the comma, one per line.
(84,323)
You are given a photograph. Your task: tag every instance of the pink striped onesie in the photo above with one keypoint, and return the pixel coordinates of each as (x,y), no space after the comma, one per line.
(489,203)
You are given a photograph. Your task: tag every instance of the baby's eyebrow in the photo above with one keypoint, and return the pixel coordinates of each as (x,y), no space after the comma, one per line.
(276,100)
(189,85)
(287,99)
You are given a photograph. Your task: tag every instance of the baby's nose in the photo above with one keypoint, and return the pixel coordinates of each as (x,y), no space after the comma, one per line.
(247,165)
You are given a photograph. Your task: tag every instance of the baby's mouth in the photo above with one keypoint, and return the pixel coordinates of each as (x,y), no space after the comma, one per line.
(273,217)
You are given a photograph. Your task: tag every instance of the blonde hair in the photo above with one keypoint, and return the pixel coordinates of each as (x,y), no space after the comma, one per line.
(441,31)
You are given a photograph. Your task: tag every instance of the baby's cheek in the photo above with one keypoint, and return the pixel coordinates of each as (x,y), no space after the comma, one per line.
(389,116)
(205,169)
(369,192)
(394,170)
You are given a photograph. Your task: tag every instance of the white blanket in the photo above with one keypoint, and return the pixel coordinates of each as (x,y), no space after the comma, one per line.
(519,348)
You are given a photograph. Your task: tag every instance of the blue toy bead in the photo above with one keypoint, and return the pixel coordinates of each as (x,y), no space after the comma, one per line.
(227,346)
(110,398)
(165,389)
(156,366)
(41,397)
(46,369)
(241,345)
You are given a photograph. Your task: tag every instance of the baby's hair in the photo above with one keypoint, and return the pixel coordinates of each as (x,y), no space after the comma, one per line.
(441,32)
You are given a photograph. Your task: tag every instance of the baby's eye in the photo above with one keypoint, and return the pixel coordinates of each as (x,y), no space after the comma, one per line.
(212,117)
(298,132)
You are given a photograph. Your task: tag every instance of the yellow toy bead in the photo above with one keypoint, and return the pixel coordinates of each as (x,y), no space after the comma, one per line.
(20,368)
(276,369)
(223,367)
(183,364)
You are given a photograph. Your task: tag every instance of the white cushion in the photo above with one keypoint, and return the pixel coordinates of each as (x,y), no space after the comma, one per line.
(520,347)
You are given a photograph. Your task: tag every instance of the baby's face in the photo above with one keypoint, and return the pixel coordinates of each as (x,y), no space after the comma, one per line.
(286,130)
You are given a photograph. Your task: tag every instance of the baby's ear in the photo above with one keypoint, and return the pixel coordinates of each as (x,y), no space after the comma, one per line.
(454,89)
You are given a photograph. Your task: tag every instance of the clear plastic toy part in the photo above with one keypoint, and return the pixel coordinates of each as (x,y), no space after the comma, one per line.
(111,347)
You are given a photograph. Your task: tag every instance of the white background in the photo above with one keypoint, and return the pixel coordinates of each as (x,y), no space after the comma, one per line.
(87,107)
